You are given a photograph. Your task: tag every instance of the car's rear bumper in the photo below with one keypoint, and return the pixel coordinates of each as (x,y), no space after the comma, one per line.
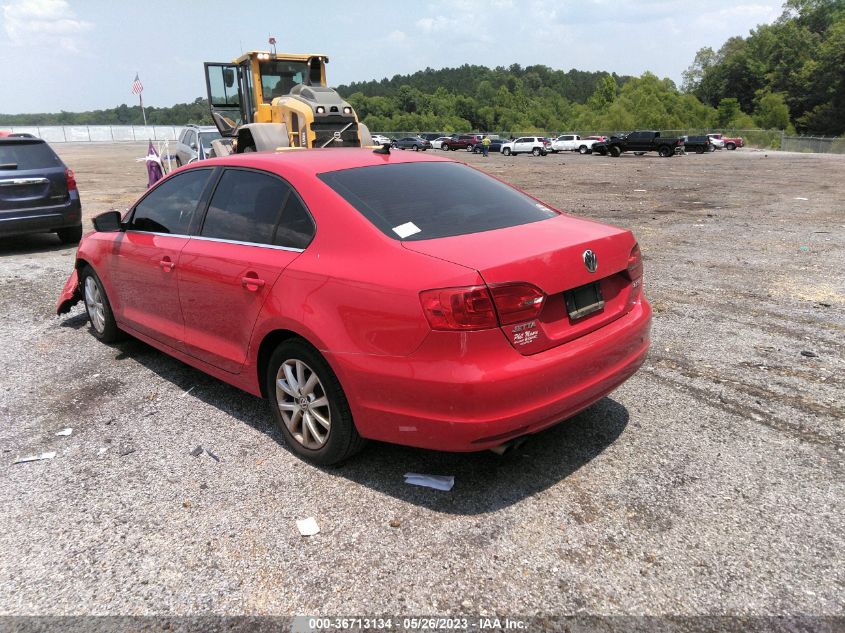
(41,219)
(473,391)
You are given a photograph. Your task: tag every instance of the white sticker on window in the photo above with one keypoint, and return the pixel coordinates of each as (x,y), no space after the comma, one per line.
(404,230)
(542,207)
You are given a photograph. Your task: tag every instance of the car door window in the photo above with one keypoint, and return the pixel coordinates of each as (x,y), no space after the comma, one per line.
(245,207)
(169,207)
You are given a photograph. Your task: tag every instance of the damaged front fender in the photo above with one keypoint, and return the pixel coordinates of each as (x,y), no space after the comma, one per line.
(71,294)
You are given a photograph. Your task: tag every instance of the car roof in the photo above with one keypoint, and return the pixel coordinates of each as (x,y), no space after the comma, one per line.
(310,162)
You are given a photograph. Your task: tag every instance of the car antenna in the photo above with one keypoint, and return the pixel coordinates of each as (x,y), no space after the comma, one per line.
(384,149)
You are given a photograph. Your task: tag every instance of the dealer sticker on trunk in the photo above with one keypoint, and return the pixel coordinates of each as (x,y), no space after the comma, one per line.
(524,333)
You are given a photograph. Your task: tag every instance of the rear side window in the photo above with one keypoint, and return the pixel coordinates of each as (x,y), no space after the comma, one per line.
(27,155)
(245,207)
(169,207)
(398,200)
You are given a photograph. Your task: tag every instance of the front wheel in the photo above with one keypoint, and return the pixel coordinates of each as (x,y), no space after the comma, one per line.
(415,148)
(98,307)
(507,151)
(309,405)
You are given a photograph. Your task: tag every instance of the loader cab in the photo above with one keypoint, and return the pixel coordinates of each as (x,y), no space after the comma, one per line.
(243,90)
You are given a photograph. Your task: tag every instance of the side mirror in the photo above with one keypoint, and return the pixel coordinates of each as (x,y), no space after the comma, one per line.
(228,77)
(193,145)
(108,222)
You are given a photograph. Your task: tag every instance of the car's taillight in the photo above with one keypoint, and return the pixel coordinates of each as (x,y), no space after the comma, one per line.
(467,308)
(635,274)
(71,179)
(517,302)
(480,307)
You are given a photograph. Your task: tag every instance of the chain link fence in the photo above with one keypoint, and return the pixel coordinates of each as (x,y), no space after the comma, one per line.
(99,133)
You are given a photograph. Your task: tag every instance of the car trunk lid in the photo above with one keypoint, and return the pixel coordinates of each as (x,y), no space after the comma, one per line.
(31,175)
(550,255)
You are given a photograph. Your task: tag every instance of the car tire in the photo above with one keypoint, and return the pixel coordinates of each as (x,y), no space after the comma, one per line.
(730,146)
(98,308)
(70,235)
(603,151)
(507,151)
(700,150)
(469,148)
(639,153)
(582,150)
(536,151)
(712,148)
(415,148)
(178,162)
(665,152)
(295,359)
(615,151)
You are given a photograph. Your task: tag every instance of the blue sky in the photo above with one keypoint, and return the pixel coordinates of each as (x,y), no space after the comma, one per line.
(83,54)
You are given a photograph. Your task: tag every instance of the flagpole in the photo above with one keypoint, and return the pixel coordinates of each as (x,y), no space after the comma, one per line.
(144,114)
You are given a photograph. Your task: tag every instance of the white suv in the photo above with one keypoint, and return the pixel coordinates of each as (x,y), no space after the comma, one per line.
(535,145)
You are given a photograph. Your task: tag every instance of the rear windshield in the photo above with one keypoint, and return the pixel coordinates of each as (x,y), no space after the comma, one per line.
(22,155)
(422,201)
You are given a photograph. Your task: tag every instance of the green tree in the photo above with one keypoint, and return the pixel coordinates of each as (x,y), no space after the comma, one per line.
(772,112)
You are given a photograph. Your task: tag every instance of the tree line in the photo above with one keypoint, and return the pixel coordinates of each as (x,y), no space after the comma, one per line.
(787,75)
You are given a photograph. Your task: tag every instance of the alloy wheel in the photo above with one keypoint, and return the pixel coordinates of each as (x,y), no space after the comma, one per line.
(94,305)
(303,403)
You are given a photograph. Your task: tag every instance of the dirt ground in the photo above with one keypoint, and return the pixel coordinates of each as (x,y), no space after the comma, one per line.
(709,484)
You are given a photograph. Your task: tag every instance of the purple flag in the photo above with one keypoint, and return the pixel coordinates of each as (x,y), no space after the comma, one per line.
(154,170)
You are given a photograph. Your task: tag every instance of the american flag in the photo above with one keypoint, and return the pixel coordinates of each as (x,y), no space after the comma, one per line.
(137,86)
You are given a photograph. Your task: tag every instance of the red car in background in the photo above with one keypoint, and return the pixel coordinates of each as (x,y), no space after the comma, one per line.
(730,142)
(332,283)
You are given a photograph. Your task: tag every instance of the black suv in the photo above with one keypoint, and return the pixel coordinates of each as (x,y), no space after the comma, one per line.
(38,192)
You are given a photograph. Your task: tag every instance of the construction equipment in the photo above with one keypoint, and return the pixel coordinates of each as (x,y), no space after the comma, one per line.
(266,100)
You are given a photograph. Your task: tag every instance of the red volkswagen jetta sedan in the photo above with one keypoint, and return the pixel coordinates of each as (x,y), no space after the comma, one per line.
(398,297)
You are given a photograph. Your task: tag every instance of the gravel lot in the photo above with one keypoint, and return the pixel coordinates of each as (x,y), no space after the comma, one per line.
(710,483)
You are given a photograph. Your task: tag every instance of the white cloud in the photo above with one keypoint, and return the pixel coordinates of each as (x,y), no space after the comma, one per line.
(43,23)
(397,37)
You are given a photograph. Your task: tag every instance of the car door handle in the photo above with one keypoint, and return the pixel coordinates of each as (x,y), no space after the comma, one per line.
(252,283)
(166,264)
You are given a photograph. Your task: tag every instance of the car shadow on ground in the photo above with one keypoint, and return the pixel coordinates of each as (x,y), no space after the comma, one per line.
(27,244)
(484,482)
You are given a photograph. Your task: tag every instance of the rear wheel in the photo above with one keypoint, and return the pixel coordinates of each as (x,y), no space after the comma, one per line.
(665,151)
(699,150)
(582,150)
(71,235)
(309,405)
(98,307)
(535,151)
(615,151)
(507,151)
(415,148)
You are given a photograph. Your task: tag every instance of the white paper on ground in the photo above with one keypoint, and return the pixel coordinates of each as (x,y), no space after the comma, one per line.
(404,230)
(35,458)
(307,527)
(64,432)
(805,199)
(438,482)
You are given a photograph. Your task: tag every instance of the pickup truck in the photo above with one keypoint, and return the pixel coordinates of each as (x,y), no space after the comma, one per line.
(573,143)
(639,142)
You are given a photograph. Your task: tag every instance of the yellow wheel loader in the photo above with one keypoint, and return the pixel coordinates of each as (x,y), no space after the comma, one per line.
(265,101)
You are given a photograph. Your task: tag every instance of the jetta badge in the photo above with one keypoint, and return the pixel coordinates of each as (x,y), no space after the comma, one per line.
(590,260)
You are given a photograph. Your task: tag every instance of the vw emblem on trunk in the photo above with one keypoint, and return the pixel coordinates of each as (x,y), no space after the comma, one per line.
(590,260)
